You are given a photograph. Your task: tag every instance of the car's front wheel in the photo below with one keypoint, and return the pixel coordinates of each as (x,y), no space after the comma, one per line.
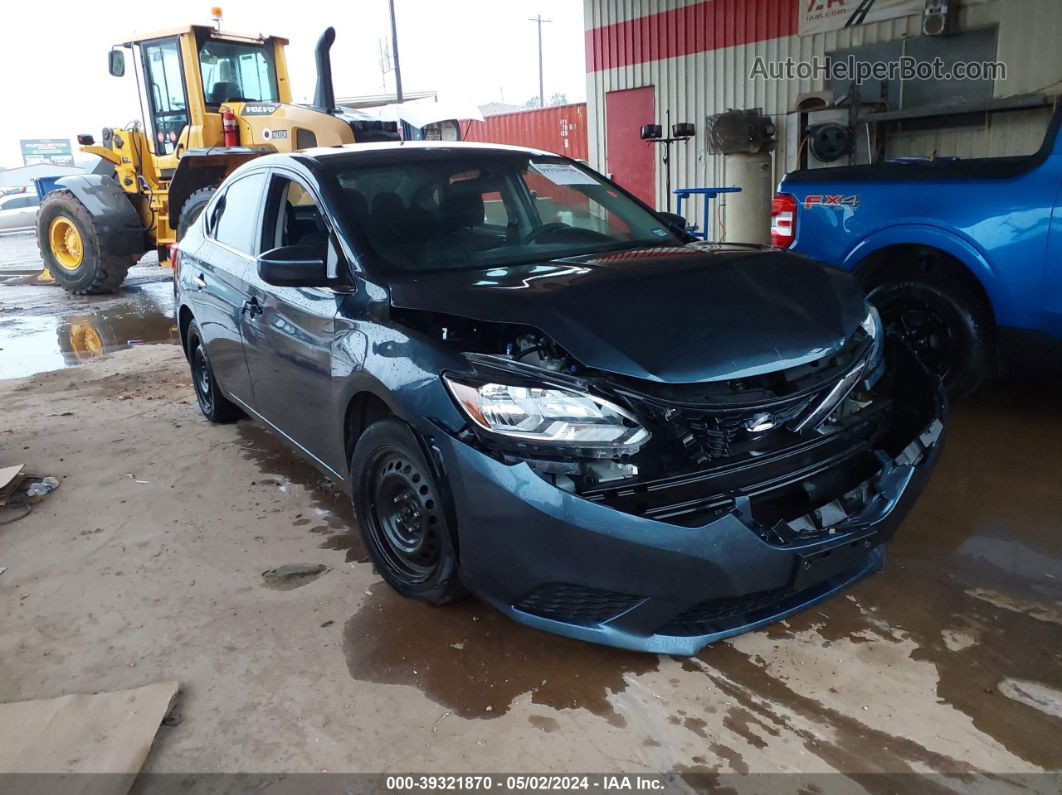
(214,405)
(400,510)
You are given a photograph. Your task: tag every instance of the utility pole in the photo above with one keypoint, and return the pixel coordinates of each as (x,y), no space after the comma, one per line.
(385,64)
(394,52)
(541,90)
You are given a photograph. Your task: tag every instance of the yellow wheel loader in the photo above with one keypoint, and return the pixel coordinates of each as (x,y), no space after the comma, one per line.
(210,101)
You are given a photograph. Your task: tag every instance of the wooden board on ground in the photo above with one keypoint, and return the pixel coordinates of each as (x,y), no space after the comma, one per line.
(71,735)
(10,478)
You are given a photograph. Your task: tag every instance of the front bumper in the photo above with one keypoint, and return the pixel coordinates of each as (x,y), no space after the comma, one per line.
(559,562)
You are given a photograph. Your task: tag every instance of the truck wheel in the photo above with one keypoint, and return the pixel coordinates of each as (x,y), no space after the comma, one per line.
(399,508)
(192,208)
(73,250)
(945,324)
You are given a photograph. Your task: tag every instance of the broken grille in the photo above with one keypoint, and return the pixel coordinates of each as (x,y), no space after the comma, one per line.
(709,434)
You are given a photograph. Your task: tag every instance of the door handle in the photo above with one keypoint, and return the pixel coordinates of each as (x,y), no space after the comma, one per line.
(199,282)
(251,307)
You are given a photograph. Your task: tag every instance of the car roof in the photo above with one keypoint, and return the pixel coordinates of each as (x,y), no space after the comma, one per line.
(351,152)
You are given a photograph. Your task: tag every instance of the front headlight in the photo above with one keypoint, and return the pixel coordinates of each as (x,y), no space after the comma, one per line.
(876,331)
(572,422)
(872,326)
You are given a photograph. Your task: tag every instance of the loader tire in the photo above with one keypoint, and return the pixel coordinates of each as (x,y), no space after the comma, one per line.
(193,208)
(73,248)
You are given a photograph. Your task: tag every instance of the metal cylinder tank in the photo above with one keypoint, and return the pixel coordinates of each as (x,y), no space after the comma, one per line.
(747,218)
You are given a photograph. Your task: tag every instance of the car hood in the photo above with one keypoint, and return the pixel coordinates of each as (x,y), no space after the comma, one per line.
(676,315)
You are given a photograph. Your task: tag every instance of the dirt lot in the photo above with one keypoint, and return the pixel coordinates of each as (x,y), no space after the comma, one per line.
(147,564)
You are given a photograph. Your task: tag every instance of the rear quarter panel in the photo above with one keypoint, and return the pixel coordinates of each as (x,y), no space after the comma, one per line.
(997,228)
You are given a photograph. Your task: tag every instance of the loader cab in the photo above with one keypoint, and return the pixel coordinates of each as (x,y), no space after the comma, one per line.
(186,75)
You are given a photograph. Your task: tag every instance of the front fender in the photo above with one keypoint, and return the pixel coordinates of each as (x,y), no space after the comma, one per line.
(403,373)
(111,209)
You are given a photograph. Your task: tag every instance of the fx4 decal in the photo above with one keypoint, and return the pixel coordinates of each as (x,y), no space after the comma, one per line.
(831,201)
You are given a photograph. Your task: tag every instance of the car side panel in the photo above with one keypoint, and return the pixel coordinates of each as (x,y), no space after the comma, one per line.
(1052,278)
(288,345)
(213,283)
(15,218)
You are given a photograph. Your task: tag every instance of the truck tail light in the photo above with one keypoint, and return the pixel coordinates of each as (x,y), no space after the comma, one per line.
(175,260)
(783,220)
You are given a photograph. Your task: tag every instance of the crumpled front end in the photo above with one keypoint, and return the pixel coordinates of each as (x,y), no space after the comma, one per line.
(753,500)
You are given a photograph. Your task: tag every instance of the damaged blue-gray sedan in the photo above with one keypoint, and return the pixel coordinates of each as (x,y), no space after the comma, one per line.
(538,390)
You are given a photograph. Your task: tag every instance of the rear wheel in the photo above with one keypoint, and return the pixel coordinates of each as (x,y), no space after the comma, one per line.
(214,405)
(943,323)
(72,248)
(399,508)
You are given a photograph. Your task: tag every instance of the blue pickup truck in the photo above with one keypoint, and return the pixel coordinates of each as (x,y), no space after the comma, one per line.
(963,258)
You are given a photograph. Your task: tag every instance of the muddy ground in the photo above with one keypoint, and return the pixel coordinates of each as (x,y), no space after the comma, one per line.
(147,564)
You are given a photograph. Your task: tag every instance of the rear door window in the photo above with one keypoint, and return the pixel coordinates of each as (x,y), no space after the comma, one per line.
(234,222)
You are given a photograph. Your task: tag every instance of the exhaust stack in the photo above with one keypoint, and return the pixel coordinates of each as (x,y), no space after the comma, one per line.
(324,97)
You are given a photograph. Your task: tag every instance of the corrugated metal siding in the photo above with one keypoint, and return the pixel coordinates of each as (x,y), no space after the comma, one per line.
(559,128)
(698,85)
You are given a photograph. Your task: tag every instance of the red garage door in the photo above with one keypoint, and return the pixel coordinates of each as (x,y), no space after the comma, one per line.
(631,160)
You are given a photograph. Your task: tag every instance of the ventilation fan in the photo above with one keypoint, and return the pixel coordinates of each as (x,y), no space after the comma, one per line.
(830,141)
(740,132)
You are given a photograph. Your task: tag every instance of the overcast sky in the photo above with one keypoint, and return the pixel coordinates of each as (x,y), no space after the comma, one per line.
(53,55)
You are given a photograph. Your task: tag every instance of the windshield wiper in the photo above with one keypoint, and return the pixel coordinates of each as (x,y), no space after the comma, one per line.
(627,246)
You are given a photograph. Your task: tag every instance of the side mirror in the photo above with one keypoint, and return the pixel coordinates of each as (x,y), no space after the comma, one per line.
(674,221)
(294,266)
(116,63)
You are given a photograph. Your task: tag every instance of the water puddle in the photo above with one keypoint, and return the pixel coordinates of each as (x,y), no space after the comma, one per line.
(466,657)
(475,662)
(56,330)
(973,578)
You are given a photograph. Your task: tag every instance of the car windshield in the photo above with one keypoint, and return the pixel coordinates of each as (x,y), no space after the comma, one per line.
(234,71)
(472,210)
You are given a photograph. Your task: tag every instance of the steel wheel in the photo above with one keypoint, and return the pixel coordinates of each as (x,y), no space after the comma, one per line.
(215,406)
(65,242)
(202,379)
(401,512)
(405,521)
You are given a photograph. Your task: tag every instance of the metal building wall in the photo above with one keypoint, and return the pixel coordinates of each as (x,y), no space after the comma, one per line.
(559,128)
(699,84)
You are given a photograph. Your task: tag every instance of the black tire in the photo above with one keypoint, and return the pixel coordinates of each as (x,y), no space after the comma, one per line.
(214,405)
(399,507)
(98,270)
(944,322)
(193,208)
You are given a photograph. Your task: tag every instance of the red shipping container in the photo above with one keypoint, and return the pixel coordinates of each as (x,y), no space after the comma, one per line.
(559,128)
